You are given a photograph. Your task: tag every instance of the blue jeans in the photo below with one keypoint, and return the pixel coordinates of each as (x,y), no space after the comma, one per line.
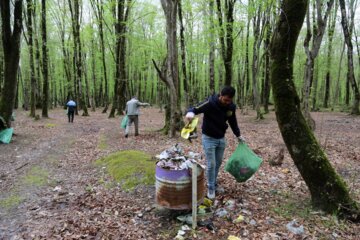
(214,153)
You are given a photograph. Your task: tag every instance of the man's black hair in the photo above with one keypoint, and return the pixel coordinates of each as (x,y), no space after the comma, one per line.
(228,91)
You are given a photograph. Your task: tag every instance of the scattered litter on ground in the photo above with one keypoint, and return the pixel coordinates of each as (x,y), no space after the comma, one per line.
(221,213)
(295,228)
(240,218)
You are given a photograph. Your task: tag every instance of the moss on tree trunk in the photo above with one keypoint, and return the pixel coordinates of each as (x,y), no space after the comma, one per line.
(328,191)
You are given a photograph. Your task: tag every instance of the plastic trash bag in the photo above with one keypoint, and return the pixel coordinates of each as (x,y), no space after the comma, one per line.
(243,163)
(189,128)
(6,135)
(124,122)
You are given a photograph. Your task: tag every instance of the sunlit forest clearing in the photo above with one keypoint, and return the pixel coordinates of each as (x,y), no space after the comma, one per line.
(72,71)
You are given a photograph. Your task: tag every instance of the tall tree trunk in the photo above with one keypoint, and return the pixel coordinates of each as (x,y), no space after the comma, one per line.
(258,36)
(351,76)
(87,86)
(93,71)
(267,66)
(337,87)
(67,93)
(75,15)
(29,27)
(247,63)
(16,105)
(98,8)
(328,190)
(211,48)
(332,22)
(183,56)
(120,74)
(316,82)
(226,37)
(11,46)
(170,75)
(37,58)
(311,54)
(45,98)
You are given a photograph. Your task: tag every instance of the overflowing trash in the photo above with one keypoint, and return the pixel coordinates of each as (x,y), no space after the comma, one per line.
(175,158)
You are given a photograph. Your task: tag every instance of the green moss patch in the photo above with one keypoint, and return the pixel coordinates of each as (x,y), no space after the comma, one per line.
(36,177)
(130,168)
(50,125)
(10,201)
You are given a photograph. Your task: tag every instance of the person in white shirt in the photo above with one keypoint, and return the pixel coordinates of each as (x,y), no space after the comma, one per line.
(132,111)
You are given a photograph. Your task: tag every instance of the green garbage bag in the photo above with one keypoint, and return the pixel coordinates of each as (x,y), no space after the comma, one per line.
(124,121)
(243,163)
(6,135)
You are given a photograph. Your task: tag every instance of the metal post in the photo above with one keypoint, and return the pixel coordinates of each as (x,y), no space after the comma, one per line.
(194,195)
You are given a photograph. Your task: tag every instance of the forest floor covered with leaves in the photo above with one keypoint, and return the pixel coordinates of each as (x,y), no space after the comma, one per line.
(52,188)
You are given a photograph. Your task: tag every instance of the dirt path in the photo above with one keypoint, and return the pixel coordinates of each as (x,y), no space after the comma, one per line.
(50,187)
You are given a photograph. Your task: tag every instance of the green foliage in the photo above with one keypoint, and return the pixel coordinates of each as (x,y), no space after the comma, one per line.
(146,41)
(130,168)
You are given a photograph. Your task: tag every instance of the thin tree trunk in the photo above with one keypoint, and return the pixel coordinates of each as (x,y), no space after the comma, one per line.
(29,27)
(258,35)
(211,48)
(318,32)
(68,93)
(37,58)
(256,97)
(75,15)
(121,78)
(87,87)
(267,66)
(316,81)
(226,37)
(332,22)
(98,8)
(328,191)
(45,98)
(337,87)
(93,71)
(247,63)
(183,56)
(351,76)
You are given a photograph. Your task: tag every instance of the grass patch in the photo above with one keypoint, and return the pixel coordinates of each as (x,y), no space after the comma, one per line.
(102,143)
(11,201)
(36,177)
(50,125)
(130,168)
(291,208)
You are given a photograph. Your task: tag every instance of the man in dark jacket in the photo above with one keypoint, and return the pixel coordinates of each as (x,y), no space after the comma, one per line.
(219,111)
(71,106)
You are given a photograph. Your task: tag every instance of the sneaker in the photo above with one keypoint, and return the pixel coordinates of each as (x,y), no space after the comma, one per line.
(211,194)
(126,135)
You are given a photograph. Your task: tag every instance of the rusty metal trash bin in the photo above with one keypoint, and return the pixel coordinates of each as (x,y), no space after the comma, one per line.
(173,187)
